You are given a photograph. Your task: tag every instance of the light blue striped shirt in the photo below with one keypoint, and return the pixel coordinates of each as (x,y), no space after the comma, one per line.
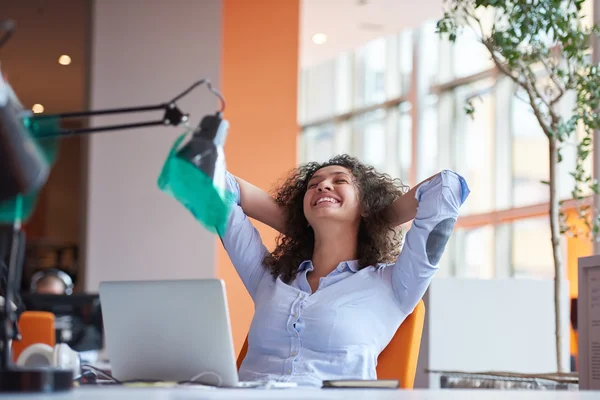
(338,331)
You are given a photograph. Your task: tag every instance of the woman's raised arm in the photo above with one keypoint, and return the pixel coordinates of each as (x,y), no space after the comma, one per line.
(259,205)
(438,202)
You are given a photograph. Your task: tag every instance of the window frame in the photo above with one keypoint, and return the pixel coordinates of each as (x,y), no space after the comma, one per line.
(421,87)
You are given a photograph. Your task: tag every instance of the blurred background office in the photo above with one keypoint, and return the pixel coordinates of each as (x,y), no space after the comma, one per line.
(304,80)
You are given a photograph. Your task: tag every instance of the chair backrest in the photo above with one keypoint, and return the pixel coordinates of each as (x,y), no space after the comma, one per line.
(399,359)
(35,327)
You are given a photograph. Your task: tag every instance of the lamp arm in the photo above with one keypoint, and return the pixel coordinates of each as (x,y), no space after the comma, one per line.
(173,115)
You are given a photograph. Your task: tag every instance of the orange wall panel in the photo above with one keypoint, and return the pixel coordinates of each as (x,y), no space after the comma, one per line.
(576,248)
(259,76)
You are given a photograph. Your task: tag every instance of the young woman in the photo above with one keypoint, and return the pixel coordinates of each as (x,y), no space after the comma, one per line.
(334,291)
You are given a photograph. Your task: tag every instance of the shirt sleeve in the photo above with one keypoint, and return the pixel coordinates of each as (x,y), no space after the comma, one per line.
(439,201)
(242,242)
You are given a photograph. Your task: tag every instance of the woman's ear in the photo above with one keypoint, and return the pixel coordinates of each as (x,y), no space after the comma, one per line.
(363,211)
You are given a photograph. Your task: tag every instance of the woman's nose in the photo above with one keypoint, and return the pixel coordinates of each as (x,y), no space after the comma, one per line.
(323,186)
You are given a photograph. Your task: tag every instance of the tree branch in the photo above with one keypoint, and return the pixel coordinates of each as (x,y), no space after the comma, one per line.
(506,71)
(530,81)
(552,75)
(500,65)
(538,113)
(521,98)
(530,92)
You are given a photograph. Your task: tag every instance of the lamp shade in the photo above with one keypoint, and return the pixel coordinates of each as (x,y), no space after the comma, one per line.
(194,174)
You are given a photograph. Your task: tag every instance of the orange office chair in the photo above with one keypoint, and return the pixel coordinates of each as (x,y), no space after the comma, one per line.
(35,327)
(399,359)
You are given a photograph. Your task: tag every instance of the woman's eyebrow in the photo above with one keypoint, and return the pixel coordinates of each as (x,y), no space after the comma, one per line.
(333,173)
(314,177)
(341,173)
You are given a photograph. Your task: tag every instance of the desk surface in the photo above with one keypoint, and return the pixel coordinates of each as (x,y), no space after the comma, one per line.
(120,393)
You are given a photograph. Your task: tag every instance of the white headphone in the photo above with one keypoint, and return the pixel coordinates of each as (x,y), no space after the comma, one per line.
(42,355)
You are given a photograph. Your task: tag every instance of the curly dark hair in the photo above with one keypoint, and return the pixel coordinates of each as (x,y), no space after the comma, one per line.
(378,241)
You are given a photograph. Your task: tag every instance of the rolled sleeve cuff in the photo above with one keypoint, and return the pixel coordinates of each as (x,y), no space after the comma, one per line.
(447,178)
(233,187)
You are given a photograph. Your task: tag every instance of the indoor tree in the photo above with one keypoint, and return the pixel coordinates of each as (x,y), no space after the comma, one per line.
(544,47)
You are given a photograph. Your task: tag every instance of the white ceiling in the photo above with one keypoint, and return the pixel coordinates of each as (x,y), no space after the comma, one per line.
(350,23)
(47,28)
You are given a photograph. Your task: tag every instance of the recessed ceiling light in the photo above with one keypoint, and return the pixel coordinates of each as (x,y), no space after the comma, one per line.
(64,60)
(37,108)
(319,38)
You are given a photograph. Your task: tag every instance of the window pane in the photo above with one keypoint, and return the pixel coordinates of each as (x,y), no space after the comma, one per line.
(428,145)
(405,62)
(429,49)
(588,164)
(530,163)
(474,145)
(587,13)
(318,92)
(302,96)
(370,139)
(568,152)
(530,156)
(531,248)
(343,83)
(319,143)
(475,256)
(469,56)
(404,141)
(370,73)
(343,138)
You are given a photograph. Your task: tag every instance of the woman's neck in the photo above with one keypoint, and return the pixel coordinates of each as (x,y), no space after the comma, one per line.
(333,247)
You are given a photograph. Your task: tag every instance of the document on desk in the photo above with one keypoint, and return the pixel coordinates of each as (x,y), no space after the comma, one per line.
(593,294)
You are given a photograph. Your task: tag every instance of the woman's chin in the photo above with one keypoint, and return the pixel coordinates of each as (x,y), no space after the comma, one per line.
(328,214)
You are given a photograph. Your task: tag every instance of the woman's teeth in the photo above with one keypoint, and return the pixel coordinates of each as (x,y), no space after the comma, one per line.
(327,199)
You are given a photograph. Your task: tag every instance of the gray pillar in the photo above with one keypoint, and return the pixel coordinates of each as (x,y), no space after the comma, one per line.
(146,52)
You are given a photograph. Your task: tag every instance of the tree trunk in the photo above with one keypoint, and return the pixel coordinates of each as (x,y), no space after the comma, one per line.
(559,272)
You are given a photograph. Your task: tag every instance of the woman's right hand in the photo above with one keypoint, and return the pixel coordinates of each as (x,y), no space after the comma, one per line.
(259,205)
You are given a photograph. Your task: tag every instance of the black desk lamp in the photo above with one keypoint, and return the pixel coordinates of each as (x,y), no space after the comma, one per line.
(24,170)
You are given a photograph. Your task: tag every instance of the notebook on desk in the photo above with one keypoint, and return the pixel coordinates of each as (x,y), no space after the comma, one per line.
(361,384)
(172,331)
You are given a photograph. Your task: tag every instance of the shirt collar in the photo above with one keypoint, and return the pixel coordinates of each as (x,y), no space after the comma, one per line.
(351,265)
(306,265)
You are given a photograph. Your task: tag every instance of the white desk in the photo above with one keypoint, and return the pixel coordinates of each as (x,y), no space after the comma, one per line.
(120,393)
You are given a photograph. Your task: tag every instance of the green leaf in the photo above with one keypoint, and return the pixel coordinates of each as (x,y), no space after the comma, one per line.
(470,109)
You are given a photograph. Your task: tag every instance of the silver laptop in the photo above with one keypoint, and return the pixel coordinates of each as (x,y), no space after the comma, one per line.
(169,331)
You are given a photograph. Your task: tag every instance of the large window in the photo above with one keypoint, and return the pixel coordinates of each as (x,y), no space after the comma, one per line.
(398,103)
(472,142)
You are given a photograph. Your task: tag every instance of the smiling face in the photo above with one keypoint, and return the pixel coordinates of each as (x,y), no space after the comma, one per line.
(332,195)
